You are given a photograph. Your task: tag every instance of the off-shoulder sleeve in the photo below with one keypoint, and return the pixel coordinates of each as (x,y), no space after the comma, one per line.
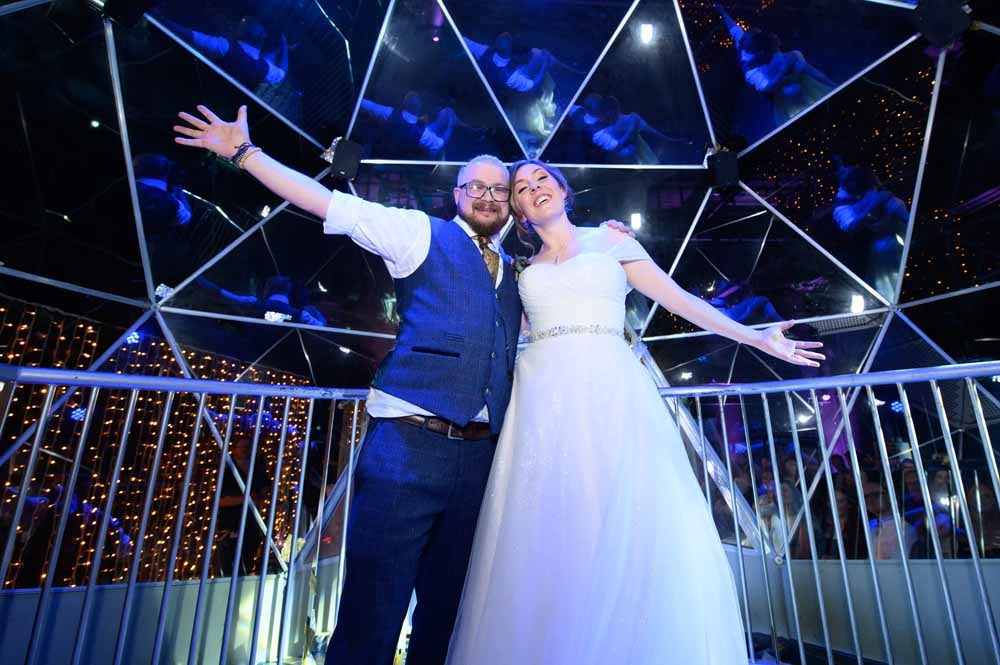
(625,248)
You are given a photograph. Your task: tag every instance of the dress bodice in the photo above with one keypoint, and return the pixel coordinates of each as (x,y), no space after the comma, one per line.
(588,289)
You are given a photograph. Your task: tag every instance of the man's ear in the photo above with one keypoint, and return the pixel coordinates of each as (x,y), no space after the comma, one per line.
(457,192)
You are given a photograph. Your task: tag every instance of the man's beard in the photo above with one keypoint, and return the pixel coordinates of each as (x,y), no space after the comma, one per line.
(485,228)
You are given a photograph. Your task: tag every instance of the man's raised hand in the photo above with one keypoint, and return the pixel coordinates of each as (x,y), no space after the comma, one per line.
(221,137)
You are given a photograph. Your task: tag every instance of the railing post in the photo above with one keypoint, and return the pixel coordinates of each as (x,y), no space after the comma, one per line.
(238,553)
(290,584)
(859,490)
(41,612)
(760,530)
(22,493)
(736,528)
(342,564)
(161,622)
(147,506)
(929,519)
(269,536)
(897,523)
(779,499)
(841,554)
(967,519)
(206,564)
(95,564)
(800,469)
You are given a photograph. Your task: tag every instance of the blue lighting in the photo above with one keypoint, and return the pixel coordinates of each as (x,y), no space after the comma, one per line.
(133,338)
(897,406)
(78,413)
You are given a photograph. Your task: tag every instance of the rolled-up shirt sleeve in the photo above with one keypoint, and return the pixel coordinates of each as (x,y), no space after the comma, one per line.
(401,237)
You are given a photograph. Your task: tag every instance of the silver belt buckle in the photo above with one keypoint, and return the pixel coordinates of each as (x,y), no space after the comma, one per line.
(449,434)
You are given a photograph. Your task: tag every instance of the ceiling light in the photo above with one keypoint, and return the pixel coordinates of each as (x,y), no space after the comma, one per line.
(646,33)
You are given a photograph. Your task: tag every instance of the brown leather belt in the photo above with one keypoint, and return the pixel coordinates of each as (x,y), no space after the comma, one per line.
(471,432)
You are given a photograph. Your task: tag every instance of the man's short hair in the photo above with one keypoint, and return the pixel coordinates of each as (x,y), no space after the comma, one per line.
(479,159)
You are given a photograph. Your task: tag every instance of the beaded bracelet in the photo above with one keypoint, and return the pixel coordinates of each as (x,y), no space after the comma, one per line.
(241,150)
(243,160)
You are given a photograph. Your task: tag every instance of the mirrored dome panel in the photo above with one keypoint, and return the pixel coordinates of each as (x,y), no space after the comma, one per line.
(66,201)
(756,269)
(954,240)
(304,60)
(763,63)
(641,105)
(533,67)
(425,99)
(845,173)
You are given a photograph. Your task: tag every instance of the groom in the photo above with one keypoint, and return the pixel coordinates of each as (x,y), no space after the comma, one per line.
(437,401)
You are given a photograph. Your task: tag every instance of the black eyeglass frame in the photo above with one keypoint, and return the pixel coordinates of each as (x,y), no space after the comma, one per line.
(492,189)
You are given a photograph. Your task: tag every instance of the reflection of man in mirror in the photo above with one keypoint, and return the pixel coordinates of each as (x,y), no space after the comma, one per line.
(407,131)
(161,196)
(784,77)
(253,55)
(618,137)
(275,303)
(737,301)
(166,216)
(623,135)
(866,211)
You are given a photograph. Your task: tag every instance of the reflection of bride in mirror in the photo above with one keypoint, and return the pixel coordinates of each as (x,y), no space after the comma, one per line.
(522,83)
(863,207)
(784,77)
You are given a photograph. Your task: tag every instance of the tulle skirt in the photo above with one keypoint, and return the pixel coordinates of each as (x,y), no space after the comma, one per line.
(594,543)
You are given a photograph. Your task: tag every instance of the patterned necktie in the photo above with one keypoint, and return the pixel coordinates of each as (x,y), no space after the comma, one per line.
(491,258)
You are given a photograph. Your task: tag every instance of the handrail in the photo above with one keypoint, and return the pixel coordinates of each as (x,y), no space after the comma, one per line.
(939,373)
(63,377)
(45,375)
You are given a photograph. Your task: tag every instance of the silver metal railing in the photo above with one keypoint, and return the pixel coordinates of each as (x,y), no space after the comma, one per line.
(828,491)
(877,535)
(228,618)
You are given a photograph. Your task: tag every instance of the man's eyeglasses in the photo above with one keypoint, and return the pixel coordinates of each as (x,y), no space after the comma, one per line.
(477,190)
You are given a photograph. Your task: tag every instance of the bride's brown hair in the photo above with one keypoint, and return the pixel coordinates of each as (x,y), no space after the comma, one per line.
(525,233)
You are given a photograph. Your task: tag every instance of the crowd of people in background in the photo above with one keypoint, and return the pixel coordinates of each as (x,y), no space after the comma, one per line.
(893,512)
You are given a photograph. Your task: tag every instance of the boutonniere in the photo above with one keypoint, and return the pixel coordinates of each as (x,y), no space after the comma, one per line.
(518,264)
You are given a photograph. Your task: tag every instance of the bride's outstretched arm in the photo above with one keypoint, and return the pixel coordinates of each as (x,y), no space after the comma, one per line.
(650,280)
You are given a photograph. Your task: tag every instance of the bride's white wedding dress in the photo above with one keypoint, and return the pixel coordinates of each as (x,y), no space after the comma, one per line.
(594,543)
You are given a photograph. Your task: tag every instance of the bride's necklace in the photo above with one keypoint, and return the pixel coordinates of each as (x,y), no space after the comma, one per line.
(558,257)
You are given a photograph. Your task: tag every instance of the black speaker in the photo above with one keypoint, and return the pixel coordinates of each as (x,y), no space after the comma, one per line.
(942,22)
(724,169)
(344,157)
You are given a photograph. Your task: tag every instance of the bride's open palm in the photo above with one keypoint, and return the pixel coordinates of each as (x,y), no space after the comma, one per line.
(774,342)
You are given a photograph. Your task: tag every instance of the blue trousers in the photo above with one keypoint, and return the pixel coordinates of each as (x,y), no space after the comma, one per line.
(413,517)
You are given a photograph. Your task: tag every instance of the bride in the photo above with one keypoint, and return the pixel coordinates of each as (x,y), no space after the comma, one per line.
(594,543)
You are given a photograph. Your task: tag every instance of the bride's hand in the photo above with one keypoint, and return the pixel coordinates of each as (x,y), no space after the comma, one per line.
(772,341)
(221,137)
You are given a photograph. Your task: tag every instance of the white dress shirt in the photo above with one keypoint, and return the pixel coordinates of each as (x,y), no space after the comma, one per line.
(403,239)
